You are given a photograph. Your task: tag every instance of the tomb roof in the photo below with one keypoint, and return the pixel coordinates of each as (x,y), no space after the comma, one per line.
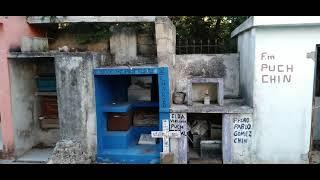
(262,21)
(77,19)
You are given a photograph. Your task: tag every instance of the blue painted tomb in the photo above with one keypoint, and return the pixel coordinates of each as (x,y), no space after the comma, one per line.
(111,92)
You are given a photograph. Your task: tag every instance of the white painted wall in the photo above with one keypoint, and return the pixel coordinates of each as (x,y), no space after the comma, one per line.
(246,49)
(285,20)
(237,138)
(283,110)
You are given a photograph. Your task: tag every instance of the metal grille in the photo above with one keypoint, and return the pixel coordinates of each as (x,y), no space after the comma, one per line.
(200,47)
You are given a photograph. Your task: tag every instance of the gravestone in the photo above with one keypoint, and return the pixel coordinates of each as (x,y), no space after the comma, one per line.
(165,134)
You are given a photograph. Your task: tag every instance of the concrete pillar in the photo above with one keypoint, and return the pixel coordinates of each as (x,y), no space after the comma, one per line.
(166,53)
(76,102)
(166,47)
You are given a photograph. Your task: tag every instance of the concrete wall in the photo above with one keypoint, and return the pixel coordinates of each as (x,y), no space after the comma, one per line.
(23,100)
(12,30)
(237,138)
(283,106)
(25,103)
(1,143)
(124,44)
(225,66)
(246,49)
(76,99)
(146,45)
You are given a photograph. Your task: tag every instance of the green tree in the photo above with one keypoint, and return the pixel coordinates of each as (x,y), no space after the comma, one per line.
(217,29)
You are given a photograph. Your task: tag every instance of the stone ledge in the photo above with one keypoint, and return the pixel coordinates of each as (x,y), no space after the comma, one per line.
(231,106)
(93,19)
(50,54)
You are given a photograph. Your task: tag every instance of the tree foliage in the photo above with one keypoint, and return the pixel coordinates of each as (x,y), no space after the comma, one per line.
(215,28)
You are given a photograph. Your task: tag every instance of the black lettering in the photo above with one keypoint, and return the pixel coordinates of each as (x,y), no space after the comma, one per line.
(285,77)
(235,133)
(279,68)
(272,79)
(272,69)
(263,80)
(263,55)
(291,68)
(263,66)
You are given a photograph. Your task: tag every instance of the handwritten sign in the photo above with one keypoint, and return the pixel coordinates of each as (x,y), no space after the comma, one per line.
(165,134)
(273,72)
(178,122)
(242,130)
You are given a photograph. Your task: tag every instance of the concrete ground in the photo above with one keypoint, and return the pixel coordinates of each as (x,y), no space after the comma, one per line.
(315,157)
(315,153)
(34,156)
(41,156)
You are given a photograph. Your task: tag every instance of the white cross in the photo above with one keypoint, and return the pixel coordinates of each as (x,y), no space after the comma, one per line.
(165,134)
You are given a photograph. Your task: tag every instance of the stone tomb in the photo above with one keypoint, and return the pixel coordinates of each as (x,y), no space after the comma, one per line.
(132,145)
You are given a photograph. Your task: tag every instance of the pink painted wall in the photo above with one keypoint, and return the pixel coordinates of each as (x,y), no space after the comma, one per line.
(12,29)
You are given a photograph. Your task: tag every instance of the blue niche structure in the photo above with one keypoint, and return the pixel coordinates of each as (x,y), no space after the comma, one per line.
(111,91)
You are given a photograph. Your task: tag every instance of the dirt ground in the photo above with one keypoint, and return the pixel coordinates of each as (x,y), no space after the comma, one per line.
(315,157)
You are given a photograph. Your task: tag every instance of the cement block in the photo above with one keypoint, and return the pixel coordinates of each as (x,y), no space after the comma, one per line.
(162,31)
(163,45)
(123,44)
(34,44)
